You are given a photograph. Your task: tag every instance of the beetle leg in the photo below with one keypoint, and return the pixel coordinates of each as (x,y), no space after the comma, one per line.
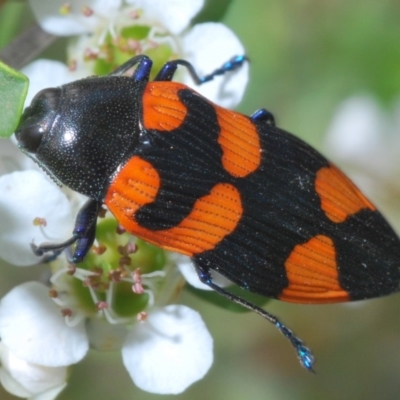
(142,72)
(83,234)
(83,244)
(263,115)
(168,70)
(303,353)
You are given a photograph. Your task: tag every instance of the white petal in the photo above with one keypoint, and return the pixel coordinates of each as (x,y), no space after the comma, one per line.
(25,196)
(47,13)
(104,8)
(356,128)
(43,74)
(32,327)
(50,394)
(11,385)
(188,271)
(169,351)
(208,46)
(11,158)
(175,15)
(104,336)
(363,137)
(33,378)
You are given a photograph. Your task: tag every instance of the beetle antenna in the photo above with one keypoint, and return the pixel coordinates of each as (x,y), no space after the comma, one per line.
(168,70)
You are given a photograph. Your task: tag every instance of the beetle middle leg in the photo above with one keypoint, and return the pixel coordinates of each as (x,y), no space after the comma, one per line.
(263,115)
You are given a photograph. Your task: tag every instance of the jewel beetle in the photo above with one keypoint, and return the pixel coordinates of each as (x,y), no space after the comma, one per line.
(235,193)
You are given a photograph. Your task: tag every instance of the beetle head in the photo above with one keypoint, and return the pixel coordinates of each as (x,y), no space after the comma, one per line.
(80,133)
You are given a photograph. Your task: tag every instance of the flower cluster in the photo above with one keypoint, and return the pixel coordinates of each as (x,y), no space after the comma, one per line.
(121,297)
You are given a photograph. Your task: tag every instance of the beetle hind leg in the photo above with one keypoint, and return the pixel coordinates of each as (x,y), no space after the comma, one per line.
(303,353)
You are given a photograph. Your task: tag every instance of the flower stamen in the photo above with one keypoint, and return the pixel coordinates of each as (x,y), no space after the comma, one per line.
(90,54)
(60,272)
(124,261)
(129,248)
(65,9)
(72,65)
(142,316)
(120,229)
(137,286)
(100,249)
(101,305)
(66,312)
(87,11)
(115,275)
(74,319)
(38,221)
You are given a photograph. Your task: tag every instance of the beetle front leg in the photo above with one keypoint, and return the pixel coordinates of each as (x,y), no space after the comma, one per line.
(83,234)
(142,72)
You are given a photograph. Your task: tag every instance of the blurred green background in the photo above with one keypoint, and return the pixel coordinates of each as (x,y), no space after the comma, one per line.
(306,57)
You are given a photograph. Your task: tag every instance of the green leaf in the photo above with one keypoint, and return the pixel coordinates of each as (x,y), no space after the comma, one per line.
(13,91)
(223,302)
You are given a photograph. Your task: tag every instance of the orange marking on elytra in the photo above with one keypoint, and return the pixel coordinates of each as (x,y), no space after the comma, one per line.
(136,184)
(312,273)
(239,141)
(162,108)
(213,216)
(340,197)
(238,137)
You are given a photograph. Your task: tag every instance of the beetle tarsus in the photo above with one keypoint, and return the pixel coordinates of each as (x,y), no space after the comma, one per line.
(48,247)
(303,353)
(83,235)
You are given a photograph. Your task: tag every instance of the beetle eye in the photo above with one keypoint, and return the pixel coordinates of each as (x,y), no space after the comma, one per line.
(30,137)
(48,96)
(37,119)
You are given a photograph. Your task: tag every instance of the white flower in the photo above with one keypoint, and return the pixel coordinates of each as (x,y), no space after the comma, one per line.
(164,354)
(111,32)
(365,140)
(27,380)
(187,269)
(26,196)
(46,335)
(32,328)
(174,338)
(104,304)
